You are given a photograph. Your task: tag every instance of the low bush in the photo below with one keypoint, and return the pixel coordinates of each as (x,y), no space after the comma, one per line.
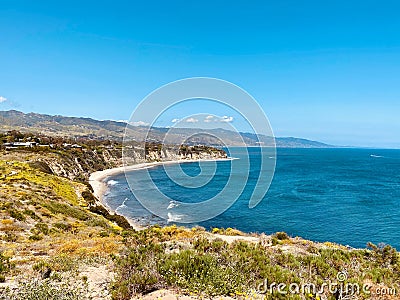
(210,268)
(46,290)
(41,166)
(119,220)
(32,214)
(5,264)
(67,210)
(16,215)
(104,233)
(88,197)
(138,271)
(10,237)
(384,255)
(214,267)
(63,226)
(95,221)
(35,237)
(281,236)
(40,228)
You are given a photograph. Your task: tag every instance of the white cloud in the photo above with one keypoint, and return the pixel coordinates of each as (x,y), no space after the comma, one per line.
(208,119)
(174,120)
(226,119)
(139,123)
(3,99)
(191,120)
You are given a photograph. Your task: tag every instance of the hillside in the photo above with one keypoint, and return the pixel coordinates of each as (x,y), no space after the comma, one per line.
(95,129)
(58,242)
(60,126)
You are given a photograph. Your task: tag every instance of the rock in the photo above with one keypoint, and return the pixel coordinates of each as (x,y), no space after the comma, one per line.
(46,273)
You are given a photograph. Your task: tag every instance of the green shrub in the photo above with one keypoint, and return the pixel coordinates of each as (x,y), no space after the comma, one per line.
(10,237)
(64,263)
(120,220)
(35,237)
(384,254)
(138,271)
(194,272)
(41,166)
(5,264)
(281,236)
(274,241)
(16,215)
(42,228)
(89,198)
(67,210)
(40,266)
(104,233)
(100,210)
(47,290)
(95,221)
(32,214)
(63,226)
(210,268)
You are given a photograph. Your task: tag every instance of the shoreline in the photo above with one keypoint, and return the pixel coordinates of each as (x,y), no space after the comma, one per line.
(97,179)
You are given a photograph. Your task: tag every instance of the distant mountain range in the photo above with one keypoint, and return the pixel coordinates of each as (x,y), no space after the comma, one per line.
(96,129)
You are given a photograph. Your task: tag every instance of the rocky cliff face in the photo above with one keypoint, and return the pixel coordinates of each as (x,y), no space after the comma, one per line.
(78,164)
(167,153)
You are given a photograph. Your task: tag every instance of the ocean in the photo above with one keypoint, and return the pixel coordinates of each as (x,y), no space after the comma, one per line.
(343,195)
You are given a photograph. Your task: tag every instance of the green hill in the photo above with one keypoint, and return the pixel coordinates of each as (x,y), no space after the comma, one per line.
(96,129)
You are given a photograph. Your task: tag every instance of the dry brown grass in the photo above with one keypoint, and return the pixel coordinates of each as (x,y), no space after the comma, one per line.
(103,246)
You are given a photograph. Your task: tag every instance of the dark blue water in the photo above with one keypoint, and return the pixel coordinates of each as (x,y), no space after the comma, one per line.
(348,196)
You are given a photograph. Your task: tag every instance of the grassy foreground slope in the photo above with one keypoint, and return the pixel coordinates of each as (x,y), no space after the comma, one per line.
(58,243)
(45,217)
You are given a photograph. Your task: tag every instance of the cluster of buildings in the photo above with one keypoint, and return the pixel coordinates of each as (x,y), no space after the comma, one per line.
(22,145)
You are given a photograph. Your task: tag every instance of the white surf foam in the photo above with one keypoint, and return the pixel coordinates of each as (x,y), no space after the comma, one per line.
(172,204)
(174,218)
(122,206)
(112,182)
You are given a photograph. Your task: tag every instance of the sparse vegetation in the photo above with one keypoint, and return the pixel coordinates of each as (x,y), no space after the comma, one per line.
(67,210)
(52,226)
(5,265)
(48,289)
(210,266)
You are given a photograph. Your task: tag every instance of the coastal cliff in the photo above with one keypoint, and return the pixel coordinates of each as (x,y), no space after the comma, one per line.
(77,159)
(58,242)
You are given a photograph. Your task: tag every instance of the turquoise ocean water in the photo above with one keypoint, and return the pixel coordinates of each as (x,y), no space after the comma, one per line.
(348,196)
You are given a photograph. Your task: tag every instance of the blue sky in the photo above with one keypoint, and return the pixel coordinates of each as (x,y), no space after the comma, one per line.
(324,70)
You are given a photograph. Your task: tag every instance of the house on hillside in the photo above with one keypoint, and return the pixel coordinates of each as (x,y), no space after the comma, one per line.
(16,145)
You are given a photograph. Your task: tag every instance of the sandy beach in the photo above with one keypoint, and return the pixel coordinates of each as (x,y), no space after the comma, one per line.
(98,179)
